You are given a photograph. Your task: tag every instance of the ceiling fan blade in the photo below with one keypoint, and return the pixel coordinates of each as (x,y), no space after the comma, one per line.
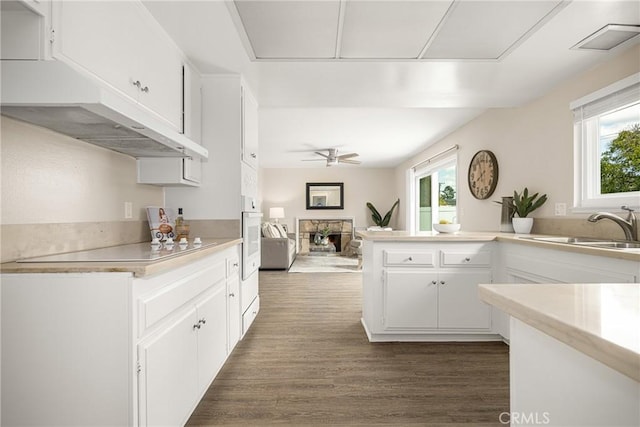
(313,160)
(353,162)
(348,156)
(321,154)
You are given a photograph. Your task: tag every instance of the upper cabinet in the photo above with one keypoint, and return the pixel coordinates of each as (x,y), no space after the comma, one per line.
(249,129)
(25,30)
(121,44)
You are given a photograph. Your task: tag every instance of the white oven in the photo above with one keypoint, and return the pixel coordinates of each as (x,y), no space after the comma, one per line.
(251,222)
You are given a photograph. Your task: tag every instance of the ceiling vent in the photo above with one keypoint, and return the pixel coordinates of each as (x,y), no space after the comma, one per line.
(608,37)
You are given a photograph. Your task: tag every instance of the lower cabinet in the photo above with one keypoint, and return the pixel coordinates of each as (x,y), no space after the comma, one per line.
(428,300)
(426,291)
(168,373)
(114,349)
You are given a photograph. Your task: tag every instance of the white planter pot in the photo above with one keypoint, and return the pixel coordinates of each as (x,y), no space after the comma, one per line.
(522,225)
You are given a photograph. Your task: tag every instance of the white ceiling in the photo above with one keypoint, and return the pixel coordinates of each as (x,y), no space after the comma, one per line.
(385,78)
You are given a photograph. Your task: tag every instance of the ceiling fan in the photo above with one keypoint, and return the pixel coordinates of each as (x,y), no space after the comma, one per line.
(332,158)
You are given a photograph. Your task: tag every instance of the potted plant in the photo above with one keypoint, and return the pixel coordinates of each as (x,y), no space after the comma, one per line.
(378,219)
(523,205)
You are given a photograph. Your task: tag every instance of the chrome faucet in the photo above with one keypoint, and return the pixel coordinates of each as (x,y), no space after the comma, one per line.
(629,225)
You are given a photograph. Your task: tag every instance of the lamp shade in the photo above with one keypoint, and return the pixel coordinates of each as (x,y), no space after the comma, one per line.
(276,213)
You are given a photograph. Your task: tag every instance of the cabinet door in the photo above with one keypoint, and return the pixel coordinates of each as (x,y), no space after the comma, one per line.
(459,305)
(235,316)
(212,335)
(169,373)
(100,37)
(159,69)
(410,299)
(249,129)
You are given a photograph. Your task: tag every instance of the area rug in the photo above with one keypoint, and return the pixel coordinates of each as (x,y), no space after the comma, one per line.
(324,264)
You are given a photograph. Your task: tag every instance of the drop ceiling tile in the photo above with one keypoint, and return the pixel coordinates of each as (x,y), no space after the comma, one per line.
(389,29)
(291,29)
(486,29)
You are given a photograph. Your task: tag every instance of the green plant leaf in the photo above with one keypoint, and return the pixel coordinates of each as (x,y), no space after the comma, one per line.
(375,215)
(387,217)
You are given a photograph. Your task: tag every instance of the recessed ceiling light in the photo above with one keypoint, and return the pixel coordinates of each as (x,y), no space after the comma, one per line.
(608,37)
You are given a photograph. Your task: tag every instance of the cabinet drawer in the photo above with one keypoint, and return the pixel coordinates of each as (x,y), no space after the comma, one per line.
(158,305)
(250,315)
(408,257)
(465,258)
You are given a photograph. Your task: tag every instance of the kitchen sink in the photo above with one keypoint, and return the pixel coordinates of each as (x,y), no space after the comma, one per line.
(588,241)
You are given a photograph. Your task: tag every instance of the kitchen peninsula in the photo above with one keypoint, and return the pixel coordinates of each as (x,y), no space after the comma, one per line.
(423,286)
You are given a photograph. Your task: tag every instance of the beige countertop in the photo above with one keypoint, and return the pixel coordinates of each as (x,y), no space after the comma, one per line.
(138,268)
(480,236)
(600,320)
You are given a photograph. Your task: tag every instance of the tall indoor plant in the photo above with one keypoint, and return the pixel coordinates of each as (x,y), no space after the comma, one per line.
(523,205)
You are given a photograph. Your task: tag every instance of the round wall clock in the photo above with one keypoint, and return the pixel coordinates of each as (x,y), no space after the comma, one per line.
(483,174)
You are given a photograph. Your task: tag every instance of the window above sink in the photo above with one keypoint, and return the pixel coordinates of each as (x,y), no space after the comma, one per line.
(606,141)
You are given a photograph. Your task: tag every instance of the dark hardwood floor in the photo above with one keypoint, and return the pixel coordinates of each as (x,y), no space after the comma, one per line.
(307,361)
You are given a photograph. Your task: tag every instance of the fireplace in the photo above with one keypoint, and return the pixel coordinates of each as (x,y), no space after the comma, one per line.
(340,234)
(334,238)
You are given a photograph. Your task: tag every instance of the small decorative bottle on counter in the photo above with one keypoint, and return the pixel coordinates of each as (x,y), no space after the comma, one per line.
(182,228)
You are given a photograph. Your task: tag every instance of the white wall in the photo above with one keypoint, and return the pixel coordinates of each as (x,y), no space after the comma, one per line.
(533,145)
(51,178)
(286,188)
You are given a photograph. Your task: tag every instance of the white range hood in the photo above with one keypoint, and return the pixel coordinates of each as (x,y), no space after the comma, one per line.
(53,95)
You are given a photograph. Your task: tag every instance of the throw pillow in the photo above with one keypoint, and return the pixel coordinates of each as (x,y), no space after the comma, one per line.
(281,231)
(268,230)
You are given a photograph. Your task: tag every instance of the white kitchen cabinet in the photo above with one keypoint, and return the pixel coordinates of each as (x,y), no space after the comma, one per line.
(426,291)
(169,171)
(168,369)
(225,176)
(25,30)
(410,300)
(518,263)
(212,335)
(233,302)
(192,103)
(111,348)
(249,129)
(121,44)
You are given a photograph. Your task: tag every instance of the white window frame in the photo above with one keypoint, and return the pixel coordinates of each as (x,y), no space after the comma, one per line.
(427,169)
(587,195)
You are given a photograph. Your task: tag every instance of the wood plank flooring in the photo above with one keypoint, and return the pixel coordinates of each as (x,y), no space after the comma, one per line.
(307,361)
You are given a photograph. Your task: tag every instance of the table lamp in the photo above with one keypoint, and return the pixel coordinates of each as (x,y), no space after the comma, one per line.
(276,213)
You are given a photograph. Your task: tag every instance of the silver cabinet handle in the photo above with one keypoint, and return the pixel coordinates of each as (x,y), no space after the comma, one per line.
(235,264)
(202,321)
(137,84)
(467,259)
(197,326)
(410,258)
(254,155)
(442,282)
(433,282)
(145,89)
(232,295)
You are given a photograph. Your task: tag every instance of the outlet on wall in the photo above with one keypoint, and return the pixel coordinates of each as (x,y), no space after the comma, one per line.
(128,210)
(561,209)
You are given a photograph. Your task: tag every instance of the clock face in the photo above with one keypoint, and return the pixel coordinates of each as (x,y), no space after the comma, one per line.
(483,174)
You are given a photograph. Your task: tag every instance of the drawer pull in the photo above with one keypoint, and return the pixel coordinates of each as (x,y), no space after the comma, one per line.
(442,282)
(410,258)
(197,326)
(232,295)
(433,282)
(467,259)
